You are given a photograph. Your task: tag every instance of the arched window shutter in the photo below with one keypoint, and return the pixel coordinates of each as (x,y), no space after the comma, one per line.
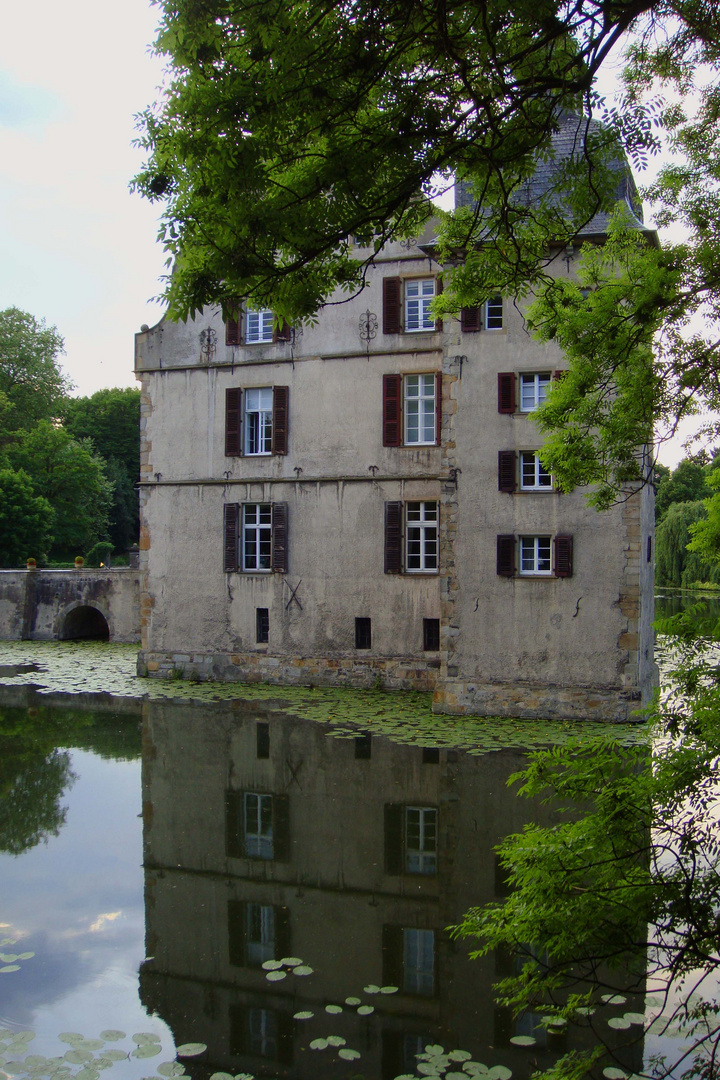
(392,410)
(231,526)
(392,306)
(506,470)
(563,556)
(506,392)
(281,398)
(233,422)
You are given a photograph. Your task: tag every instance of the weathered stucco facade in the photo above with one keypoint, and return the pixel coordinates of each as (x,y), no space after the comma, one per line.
(410,537)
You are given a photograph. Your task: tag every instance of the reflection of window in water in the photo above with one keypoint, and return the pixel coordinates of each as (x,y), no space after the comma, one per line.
(419,961)
(420,840)
(262,1025)
(260,929)
(258,826)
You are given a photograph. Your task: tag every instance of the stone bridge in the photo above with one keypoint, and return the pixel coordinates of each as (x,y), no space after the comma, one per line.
(47,605)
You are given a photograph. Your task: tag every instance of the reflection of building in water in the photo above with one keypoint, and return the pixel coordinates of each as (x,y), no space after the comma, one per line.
(272,840)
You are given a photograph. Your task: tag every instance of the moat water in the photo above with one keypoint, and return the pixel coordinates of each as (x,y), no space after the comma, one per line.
(194,881)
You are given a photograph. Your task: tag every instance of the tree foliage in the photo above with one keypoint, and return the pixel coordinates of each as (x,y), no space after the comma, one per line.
(622,894)
(26,519)
(31,380)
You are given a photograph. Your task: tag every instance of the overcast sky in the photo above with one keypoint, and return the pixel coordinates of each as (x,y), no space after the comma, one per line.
(77,248)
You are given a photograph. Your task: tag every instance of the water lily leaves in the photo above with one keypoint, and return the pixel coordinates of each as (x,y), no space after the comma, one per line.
(24,956)
(635,1017)
(9,958)
(619,1023)
(459,1055)
(305,1015)
(434,1050)
(141,1037)
(146,1050)
(499,1072)
(171,1068)
(365,1010)
(319,1044)
(371,989)
(222,1076)
(523,1040)
(272,965)
(114,1055)
(78,1056)
(336,1040)
(93,1044)
(9,967)
(304,969)
(190,1049)
(389,989)
(429,1069)
(614,1074)
(333,1009)
(112,1035)
(352,1001)
(613,999)
(348,1054)
(275,976)
(291,961)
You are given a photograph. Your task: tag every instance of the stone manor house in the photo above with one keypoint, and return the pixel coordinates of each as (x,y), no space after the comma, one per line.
(360,503)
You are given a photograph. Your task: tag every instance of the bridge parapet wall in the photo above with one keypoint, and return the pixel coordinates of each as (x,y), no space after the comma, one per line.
(34,604)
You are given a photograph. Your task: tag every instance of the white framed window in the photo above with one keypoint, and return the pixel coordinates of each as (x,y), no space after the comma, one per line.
(419,294)
(419,409)
(536,555)
(533,389)
(258,326)
(419,962)
(493,313)
(421,537)
(258,814)
(260,933)
(257,536)
(258,420)
(420,840)
(533,474)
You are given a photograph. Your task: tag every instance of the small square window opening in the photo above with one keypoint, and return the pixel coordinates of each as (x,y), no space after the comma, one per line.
(533,474)
(533,390)
(535,555)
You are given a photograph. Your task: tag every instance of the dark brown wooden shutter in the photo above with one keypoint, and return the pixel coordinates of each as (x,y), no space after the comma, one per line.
(392,410)
(438,408)
(506,391)
(283,940)
(279,538)
(438,290)
(234,824)
(557,375)
(233,422)
(282,333)
(237,932)
(281,397)
(506,470)
(392,305)
(281,828)
(394,816)
(563,556)
(393,537)
(506,555)
(470,320)
(392,956)
(233,324)
(231,523)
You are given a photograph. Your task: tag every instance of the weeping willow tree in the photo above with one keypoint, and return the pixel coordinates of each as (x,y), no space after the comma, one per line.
(674,564)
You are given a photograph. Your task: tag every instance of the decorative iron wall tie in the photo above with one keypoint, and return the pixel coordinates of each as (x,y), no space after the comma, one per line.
(208,343)
(367,328)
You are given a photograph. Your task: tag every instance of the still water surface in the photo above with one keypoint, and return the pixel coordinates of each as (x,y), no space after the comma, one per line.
(155,855)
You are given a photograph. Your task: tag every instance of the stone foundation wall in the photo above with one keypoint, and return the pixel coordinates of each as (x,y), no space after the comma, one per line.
(537,701)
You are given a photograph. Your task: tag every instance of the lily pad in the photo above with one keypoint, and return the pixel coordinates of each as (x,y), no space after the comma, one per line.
(348,1055)
(305,1015)
(333,1008)
(275,976)
(614,1074)
(304,969)
(336,1040)
(171,1068)
(146,1050)
(9,967)
(499,1072)
(271,965)
(619,1023)
(365,1010)
(191,1049)
(222,1076)
(459,1055)
(144,1037)
(9,958)
(78,1056)
(523,1040)
(635,1017)
(371,989)
(319,1044)
(112,1035)
(613,999)
(389,989)
(352,1001)
(291,961)
(114,1055)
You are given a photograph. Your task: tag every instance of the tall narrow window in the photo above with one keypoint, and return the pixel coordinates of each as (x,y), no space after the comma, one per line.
(262,740)
(420,425)
(263,1033)
(533,390)
(421,537)
(419,295)
(258,420)
(260,933)
(420,840)
(258,326)
(419,962)
(431,635)
(363,633)
(533,474)
(258,826)
(262,625)
(257,536)
(494,313)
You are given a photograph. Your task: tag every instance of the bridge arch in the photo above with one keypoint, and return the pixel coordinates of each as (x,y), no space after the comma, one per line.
(81,620)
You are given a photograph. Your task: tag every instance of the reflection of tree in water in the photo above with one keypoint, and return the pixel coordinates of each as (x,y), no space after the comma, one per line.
(31,788)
